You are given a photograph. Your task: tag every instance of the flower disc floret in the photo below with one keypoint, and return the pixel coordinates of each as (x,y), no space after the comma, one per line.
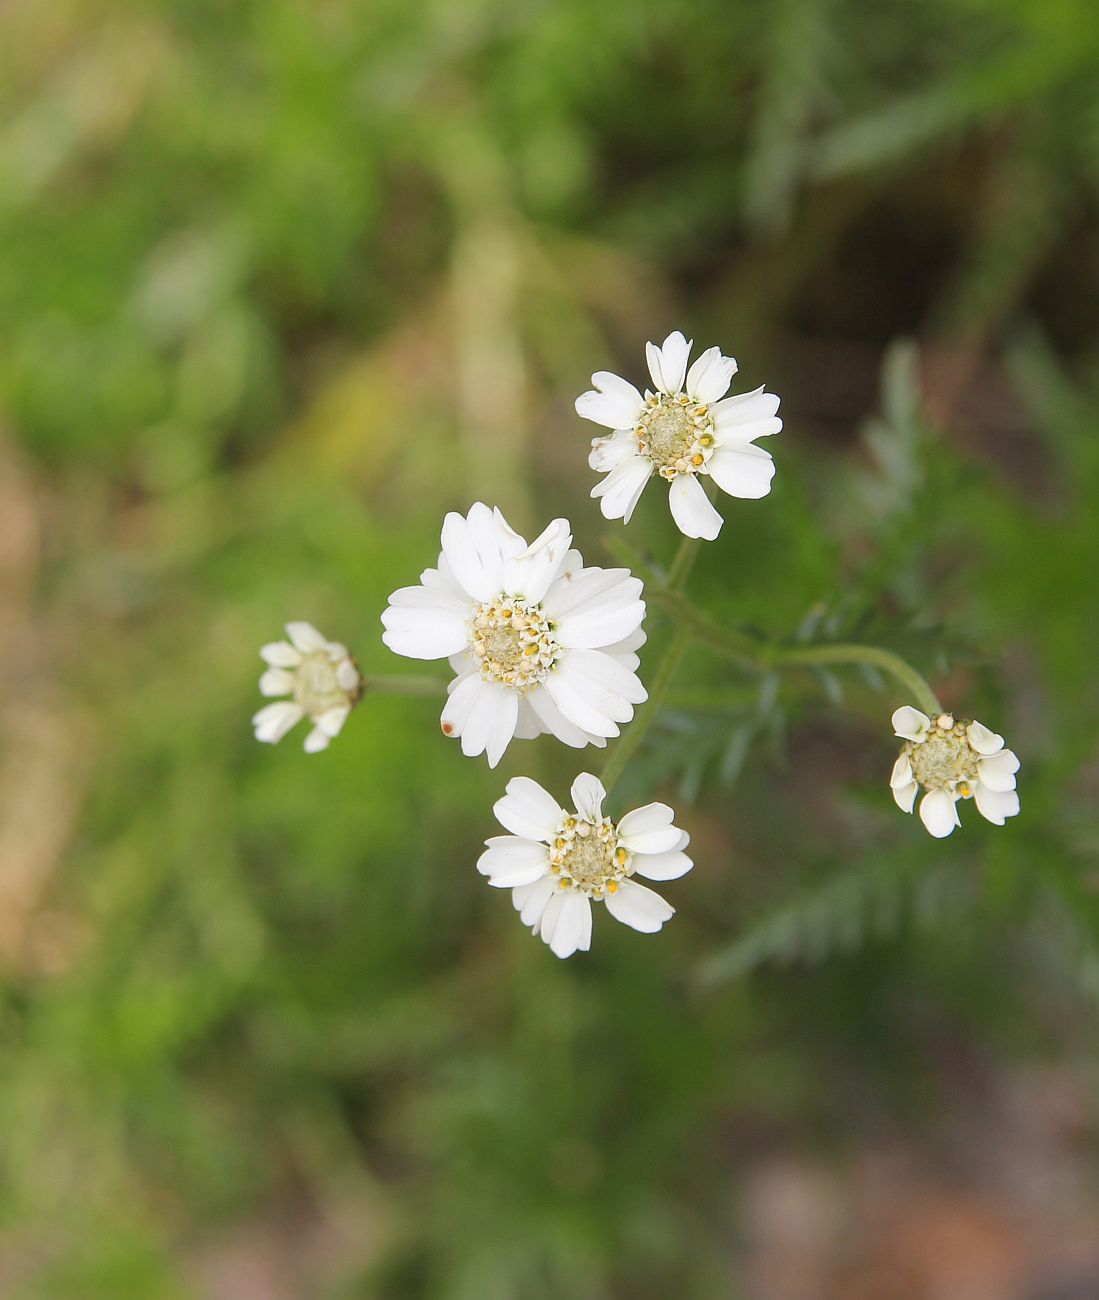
(513,641)
(676,434)
(948,760)
(586,855)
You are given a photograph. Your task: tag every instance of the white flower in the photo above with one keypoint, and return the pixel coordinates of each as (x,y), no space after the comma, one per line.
(319,675)
(539,642)
(558,863)
(949,761)
(679,431)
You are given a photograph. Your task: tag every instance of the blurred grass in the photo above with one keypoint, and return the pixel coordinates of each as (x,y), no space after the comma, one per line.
(278,285)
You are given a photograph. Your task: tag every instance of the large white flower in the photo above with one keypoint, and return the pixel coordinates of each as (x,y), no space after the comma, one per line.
(558,863)
(320,677)
(539,642)
(684,428)
(949,761)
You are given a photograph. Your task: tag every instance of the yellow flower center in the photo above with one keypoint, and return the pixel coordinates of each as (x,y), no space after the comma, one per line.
(586,855)
(676,434)
(944,759)
(514,642)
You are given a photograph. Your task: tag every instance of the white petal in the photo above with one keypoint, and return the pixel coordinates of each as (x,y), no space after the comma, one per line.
(530,900)
(641,908)
(555,722)
(280,654)
(608,453)
(668,363)
(621,489)
(732,414)
(649,829)
(274,720)
(305,637)
(583,587)
(331,722)
(510,861)
(490,724)
(616,404)
(692,510)
(902,772)
(983,740)
(530,573)
(571,928)
(594,691)
(425,633)
(528,811)
(995,805)
(939,813)
(904,796)
(911,723)
(997,771)
(710,376)
(528,725)
(745,472)
(438,598)
(463,695)
(347,676)
(588,795)
(662,866)
(316,741)
(276,681)
(477,573)
(494,535)
(604,618)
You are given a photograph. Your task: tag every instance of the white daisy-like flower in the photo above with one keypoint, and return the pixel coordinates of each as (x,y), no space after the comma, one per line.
(683,428)
(539,642)
(321,679)
(949,761)
(558,863)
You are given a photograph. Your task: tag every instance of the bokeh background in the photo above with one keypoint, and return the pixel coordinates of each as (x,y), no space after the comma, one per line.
(282,282)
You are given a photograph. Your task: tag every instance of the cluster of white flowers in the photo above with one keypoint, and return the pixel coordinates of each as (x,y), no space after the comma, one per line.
(540,643)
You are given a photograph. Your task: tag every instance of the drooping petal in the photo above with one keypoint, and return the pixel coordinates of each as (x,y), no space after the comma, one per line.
(905,796)
(430,633)
(530,573)
(621,489)
(662,866)
(274,720)
(528,811)
(982,739)
(571,930)
(316,741)
(530,900)
(463,695)
(939,813)
(510,861)
(347,676)
(490,724)
(649,829)
(594,691)
(745,472)
(609,452)
(639,907)
(710,376)
(911,723)
(692,510)
(276,681)
(995,805)
(555,722)
(668,363)
(614,403)
(997,771)
(306,638)
(902,772)
(280,654)
(588,795)
(331,722)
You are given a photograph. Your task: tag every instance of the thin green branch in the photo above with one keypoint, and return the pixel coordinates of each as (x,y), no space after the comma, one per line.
(902,672)
(403,686)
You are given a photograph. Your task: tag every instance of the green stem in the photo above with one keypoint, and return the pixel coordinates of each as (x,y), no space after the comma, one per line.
(403,686)
(899,669)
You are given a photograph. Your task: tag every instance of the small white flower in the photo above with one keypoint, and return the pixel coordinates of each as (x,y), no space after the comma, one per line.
(539,642)
(679,431)
(320,677)
(558,863)
(949,761)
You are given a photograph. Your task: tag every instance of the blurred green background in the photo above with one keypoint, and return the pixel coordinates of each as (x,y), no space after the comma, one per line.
(279,284)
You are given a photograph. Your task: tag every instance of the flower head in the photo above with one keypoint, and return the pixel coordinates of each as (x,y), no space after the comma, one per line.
(558,863)
(682,428)
(539,642)
(319,676)
(949,761)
